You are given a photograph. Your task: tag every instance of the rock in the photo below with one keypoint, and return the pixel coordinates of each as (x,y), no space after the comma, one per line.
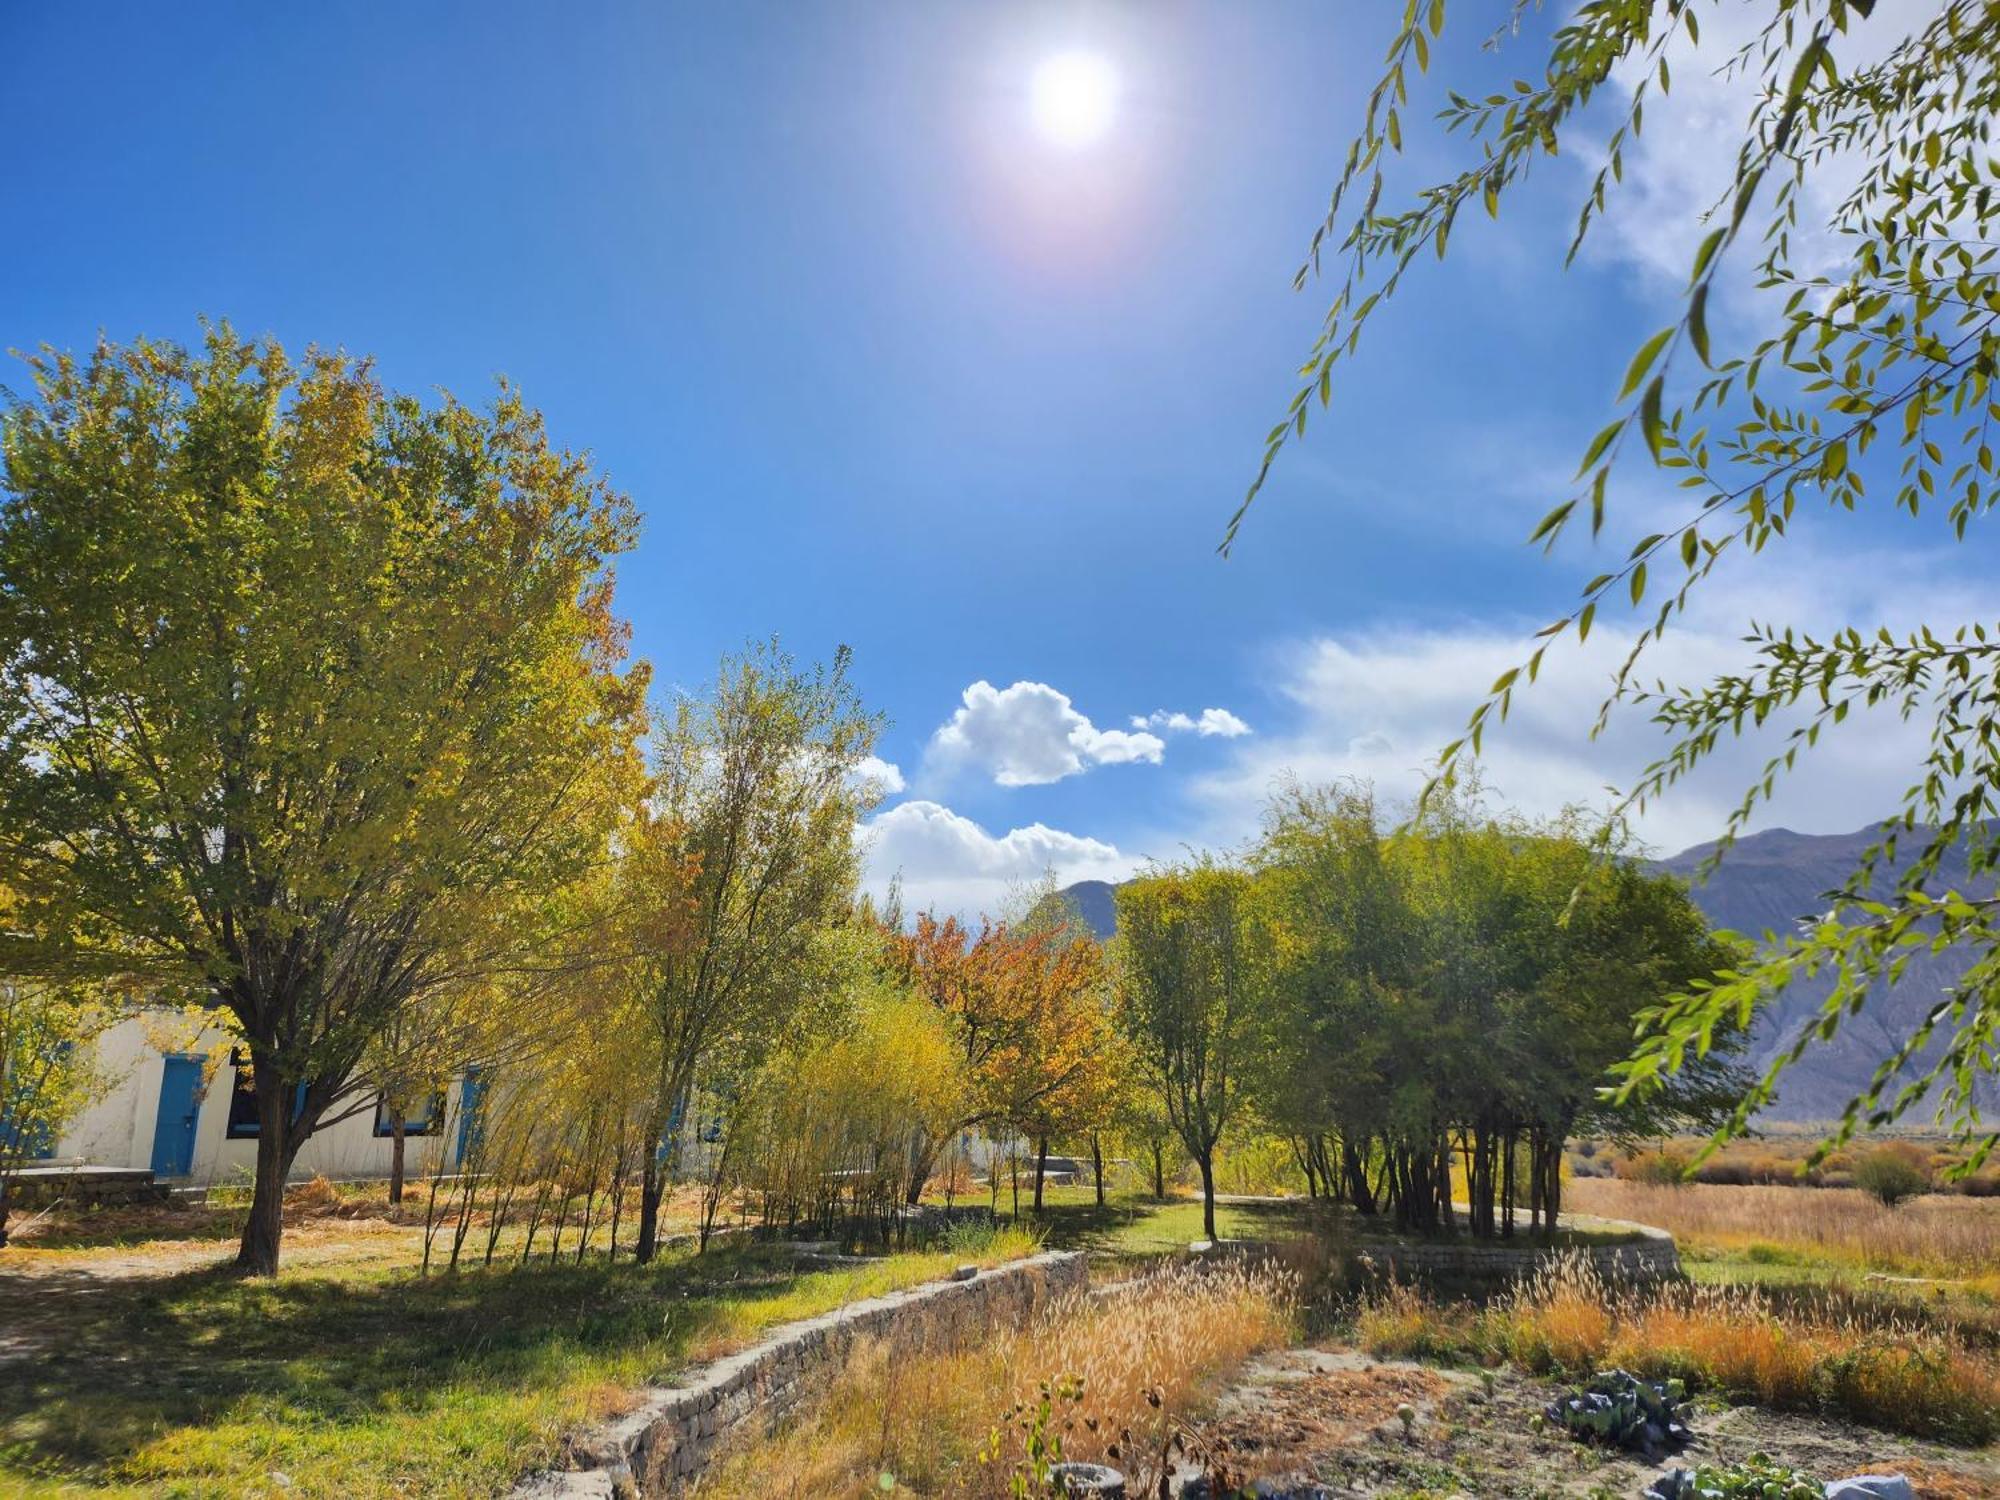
(1088,1479)
(1870,1487)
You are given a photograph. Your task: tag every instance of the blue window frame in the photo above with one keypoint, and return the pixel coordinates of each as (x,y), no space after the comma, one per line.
(243,1101)
(427,1121)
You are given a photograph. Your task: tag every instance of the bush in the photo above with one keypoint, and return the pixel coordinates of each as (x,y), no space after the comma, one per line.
(1891,1173)
(1819,1357)
(1660,1168)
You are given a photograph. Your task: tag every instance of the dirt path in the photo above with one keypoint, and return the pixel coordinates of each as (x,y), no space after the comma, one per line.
(1327,1417)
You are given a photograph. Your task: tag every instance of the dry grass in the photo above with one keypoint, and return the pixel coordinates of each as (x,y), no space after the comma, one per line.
(1830,1355)
(924,1417)
(1937,1235)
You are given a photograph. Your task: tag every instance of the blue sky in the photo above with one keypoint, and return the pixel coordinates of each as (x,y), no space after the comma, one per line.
(882,364)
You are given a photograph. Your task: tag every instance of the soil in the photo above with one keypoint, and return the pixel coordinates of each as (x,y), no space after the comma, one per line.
(1328,1416)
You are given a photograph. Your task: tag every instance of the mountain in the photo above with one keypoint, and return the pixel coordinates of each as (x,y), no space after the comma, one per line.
(1093,902)
(1768,882)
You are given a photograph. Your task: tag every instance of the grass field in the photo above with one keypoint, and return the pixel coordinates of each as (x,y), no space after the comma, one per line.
(1766,1234)
(349,1375)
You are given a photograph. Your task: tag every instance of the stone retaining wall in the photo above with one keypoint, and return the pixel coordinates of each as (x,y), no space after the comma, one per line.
(675,1431)
(1650,1255)
(40,1187)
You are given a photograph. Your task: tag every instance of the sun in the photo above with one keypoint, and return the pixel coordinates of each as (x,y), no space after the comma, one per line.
(1072,97)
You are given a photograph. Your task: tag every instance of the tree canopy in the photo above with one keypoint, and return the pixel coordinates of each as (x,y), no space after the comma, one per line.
(309,695)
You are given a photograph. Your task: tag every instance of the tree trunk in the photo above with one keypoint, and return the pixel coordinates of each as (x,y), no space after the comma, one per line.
(1159,1170)
(263,1234)
(1097,1165)
(1207,1163)
(651,1187)
(1356,1171)
(1041,1170)
(398,1134)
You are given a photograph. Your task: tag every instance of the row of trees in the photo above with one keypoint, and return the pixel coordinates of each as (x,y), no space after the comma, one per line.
(317,718)
(1426,1014)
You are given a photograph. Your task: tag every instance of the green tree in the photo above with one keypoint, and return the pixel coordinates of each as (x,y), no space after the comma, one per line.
(309,695)
(1446,999)
(1191,980)
(742,864)
(48,1069)
(1863,376)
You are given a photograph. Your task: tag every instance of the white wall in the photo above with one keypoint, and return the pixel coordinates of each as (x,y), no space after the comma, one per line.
(117,1129)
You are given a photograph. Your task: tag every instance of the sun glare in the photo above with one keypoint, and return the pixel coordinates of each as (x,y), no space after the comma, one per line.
(1072,96)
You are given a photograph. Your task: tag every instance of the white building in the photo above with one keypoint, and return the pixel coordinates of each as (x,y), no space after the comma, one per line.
(187,1115)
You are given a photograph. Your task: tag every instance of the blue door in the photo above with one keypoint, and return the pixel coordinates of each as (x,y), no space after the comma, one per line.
(173,1130)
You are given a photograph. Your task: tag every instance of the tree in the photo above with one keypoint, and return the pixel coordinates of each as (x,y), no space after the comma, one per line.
(1191,979)
(48,1069)
(309,695)
(1868,362)
(1447,998)
(1025,1001)
(745,853)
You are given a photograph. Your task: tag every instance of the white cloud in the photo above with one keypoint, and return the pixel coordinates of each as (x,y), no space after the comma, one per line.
(1029,735)
(1212,723)
(949,863)
(1683,164)
(1379,703)
(886,776)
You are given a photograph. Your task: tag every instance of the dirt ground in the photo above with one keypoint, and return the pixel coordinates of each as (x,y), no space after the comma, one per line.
(1328,1417)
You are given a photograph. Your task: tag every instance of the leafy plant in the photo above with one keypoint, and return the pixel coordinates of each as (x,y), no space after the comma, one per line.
(1756,1478)
(1620,1410)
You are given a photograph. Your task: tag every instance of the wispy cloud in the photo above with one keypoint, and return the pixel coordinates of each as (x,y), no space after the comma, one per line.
(1210,723)
(1379,702)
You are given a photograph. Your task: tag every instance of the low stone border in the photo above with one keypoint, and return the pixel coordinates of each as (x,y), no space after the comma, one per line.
(84,1186)
(1649,1255)
(675,1431)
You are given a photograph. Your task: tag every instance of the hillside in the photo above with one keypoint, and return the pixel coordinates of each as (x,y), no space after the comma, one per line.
(1768,882)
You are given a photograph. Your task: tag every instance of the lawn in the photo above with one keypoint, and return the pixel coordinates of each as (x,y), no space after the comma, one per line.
(356,1377)
(1130,1226)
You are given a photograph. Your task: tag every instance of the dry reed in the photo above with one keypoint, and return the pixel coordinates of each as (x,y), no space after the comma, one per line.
(923,1417)
(1936,1235)
(1804,1354)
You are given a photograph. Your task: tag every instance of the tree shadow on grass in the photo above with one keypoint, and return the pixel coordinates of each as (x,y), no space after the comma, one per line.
(135,1362)
(1150,1226)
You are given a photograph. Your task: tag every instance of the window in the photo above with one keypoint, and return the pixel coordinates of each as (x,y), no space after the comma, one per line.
(243,1100)
(427,1120)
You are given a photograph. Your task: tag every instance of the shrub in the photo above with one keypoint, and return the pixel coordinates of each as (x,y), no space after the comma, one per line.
(1659,1168)
(1787,1353)
(1892,1173)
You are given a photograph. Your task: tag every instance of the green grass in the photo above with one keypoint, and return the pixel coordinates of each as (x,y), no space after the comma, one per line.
(365,1381)
(1132,1227)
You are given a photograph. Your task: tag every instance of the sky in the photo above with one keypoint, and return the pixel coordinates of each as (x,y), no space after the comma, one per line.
(896,348)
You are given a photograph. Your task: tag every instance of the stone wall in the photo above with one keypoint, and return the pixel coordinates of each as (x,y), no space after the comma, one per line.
(85,1186)
(1649,1255)
(675,1431)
